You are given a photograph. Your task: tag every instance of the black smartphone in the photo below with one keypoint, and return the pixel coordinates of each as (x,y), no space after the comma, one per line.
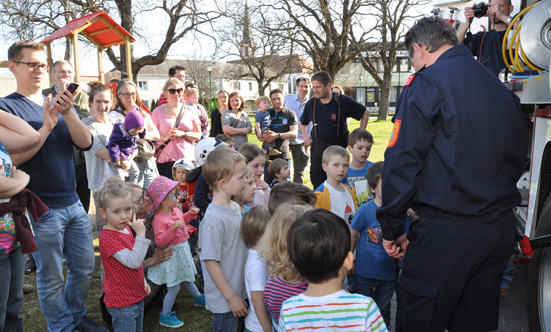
(72,88)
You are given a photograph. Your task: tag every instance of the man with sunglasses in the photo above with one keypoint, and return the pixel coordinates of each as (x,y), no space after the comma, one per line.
(64,233)
(179,73)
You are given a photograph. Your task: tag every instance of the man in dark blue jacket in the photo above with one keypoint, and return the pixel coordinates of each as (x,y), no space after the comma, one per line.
(456,152)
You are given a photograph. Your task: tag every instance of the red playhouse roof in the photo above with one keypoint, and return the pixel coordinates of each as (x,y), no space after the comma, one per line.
(99,27)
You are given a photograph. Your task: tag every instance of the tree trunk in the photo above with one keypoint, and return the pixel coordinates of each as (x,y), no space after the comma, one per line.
(68,49)
(385,95)
(261,90)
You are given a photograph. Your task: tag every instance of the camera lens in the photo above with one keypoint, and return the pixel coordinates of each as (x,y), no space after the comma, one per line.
(480,9)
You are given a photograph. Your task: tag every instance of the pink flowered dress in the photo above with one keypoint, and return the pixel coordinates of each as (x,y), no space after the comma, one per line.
(180,267)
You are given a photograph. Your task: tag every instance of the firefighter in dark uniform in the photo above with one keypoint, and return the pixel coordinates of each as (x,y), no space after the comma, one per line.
(328,112)
(456,152)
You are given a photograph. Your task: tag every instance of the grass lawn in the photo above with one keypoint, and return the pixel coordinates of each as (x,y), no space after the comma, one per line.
(195,319)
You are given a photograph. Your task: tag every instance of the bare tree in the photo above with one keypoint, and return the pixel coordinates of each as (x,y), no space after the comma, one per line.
(36,19)
(390,19)
(319,27)
(267,57)
(180,17)
(197,73)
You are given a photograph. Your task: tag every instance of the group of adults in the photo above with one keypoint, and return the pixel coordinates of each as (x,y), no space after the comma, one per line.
(287,114)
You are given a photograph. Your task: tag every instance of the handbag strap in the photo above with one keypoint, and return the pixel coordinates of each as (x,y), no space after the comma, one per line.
(179,117)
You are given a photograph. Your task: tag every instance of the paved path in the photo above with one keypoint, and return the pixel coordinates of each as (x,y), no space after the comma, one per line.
(513,309)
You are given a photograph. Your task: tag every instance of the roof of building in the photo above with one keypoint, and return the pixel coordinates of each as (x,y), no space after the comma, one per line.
(99,27)
(220,69)
(298,64)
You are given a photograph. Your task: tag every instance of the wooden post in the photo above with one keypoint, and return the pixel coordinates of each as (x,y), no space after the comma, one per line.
(100,66)
(75,51)
(50,62)
(128,57)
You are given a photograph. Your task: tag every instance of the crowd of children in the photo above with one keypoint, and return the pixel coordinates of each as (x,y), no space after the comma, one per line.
(266,252)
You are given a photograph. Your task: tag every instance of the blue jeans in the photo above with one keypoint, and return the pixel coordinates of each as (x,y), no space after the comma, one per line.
(64,232)
(12,268)
(380,290)
(128,319)
(225,322)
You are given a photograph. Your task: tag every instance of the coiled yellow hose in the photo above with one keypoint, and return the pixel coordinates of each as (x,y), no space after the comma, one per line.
(518,55)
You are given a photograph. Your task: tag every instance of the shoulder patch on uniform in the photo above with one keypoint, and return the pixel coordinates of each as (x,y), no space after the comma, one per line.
(395,133)
(409,80)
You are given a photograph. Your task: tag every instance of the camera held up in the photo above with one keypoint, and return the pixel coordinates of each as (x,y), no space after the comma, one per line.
(480,9)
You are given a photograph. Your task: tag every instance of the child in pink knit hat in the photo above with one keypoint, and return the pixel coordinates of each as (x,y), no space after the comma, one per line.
(169,225)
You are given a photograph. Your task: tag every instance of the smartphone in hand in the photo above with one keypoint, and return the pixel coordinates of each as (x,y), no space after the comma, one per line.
(72,88)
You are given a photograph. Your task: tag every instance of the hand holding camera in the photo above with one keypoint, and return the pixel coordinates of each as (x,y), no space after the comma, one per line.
(480,9)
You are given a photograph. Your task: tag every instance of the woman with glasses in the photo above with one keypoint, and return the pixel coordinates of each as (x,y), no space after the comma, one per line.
(128,99)
(177,140)
(235,121)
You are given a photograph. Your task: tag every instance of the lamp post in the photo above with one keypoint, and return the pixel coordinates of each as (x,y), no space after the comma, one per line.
(361,93)
(209,68)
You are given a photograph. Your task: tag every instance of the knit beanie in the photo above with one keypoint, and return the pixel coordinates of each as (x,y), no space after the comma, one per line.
(133,119)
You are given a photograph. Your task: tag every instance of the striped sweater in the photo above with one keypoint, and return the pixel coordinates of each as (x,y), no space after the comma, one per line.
(276,292)
(339,311)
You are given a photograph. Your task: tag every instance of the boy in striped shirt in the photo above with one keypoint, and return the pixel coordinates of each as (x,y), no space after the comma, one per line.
(319,247)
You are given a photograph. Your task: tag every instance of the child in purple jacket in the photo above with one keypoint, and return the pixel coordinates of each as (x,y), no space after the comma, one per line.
(123,143)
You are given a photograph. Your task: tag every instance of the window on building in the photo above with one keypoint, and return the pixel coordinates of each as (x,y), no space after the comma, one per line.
(370,95)
(360,95)
(393,94)
(404,65)
(142,85)
(250,86)
(281,87)
(238,85)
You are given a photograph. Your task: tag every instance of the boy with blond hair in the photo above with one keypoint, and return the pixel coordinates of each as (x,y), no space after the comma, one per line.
(223,253)
(262,123)
(192,96)
(332,195)
(359,145)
